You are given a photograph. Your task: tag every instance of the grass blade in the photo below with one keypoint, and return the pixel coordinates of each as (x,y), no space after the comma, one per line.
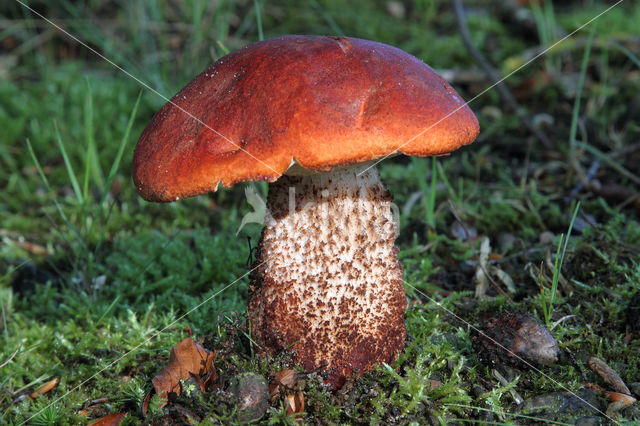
(225,49)
(428,191)
(67,165)
(573,219)
(123,143)
(92,160)
(576,105)
(55,201)
(335,28)
(629,54)
(557,267)
(256,5)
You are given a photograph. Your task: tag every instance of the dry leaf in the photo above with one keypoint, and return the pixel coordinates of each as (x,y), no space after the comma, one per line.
(480,277)
(616,397)
(145,404)
(621,397)
(46,387)
(504,277)
(285,379)
(113,419)
(294,403)
(186,358)
(608,375)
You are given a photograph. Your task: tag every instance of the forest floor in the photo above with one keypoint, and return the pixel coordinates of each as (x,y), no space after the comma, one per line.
(97,286)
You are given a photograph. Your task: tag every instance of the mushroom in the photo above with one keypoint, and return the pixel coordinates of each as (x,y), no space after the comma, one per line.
(311,115)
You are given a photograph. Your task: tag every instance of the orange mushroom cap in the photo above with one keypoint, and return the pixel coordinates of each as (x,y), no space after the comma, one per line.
(322,102)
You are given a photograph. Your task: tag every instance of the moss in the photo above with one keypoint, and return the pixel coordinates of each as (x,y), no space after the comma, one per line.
(106,302)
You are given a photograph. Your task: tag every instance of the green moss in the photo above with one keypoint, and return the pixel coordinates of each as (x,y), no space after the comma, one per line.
(105,304)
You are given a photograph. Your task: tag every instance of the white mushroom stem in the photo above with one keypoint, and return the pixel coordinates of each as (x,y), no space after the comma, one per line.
(329,283)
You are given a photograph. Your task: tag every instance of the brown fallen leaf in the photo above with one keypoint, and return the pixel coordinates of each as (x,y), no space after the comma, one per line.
(186,358)
(294,403)
(45,388)
(621,397)
(113,419)
(284,380)
(616,397)
(145,403)
(608,375)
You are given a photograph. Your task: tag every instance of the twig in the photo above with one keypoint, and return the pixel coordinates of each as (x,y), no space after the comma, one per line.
(555,324)
(626,150)
(10,358)
(606,158)
(493,74)
(584,181)
(491,280)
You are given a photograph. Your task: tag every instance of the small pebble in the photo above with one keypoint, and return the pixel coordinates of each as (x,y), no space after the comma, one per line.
(515,339)
(252,396)
(565,407)
(546,238)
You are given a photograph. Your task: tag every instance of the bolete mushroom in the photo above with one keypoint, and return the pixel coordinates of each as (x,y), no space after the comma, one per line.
(310,114)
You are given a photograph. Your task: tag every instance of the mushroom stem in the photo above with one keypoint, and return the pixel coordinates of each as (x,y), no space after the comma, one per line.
(328,285)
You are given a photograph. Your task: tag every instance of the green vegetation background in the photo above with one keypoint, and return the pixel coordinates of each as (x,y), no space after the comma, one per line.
(94,282)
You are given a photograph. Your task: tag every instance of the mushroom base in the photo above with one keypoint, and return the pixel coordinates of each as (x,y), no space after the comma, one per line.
(328,283)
